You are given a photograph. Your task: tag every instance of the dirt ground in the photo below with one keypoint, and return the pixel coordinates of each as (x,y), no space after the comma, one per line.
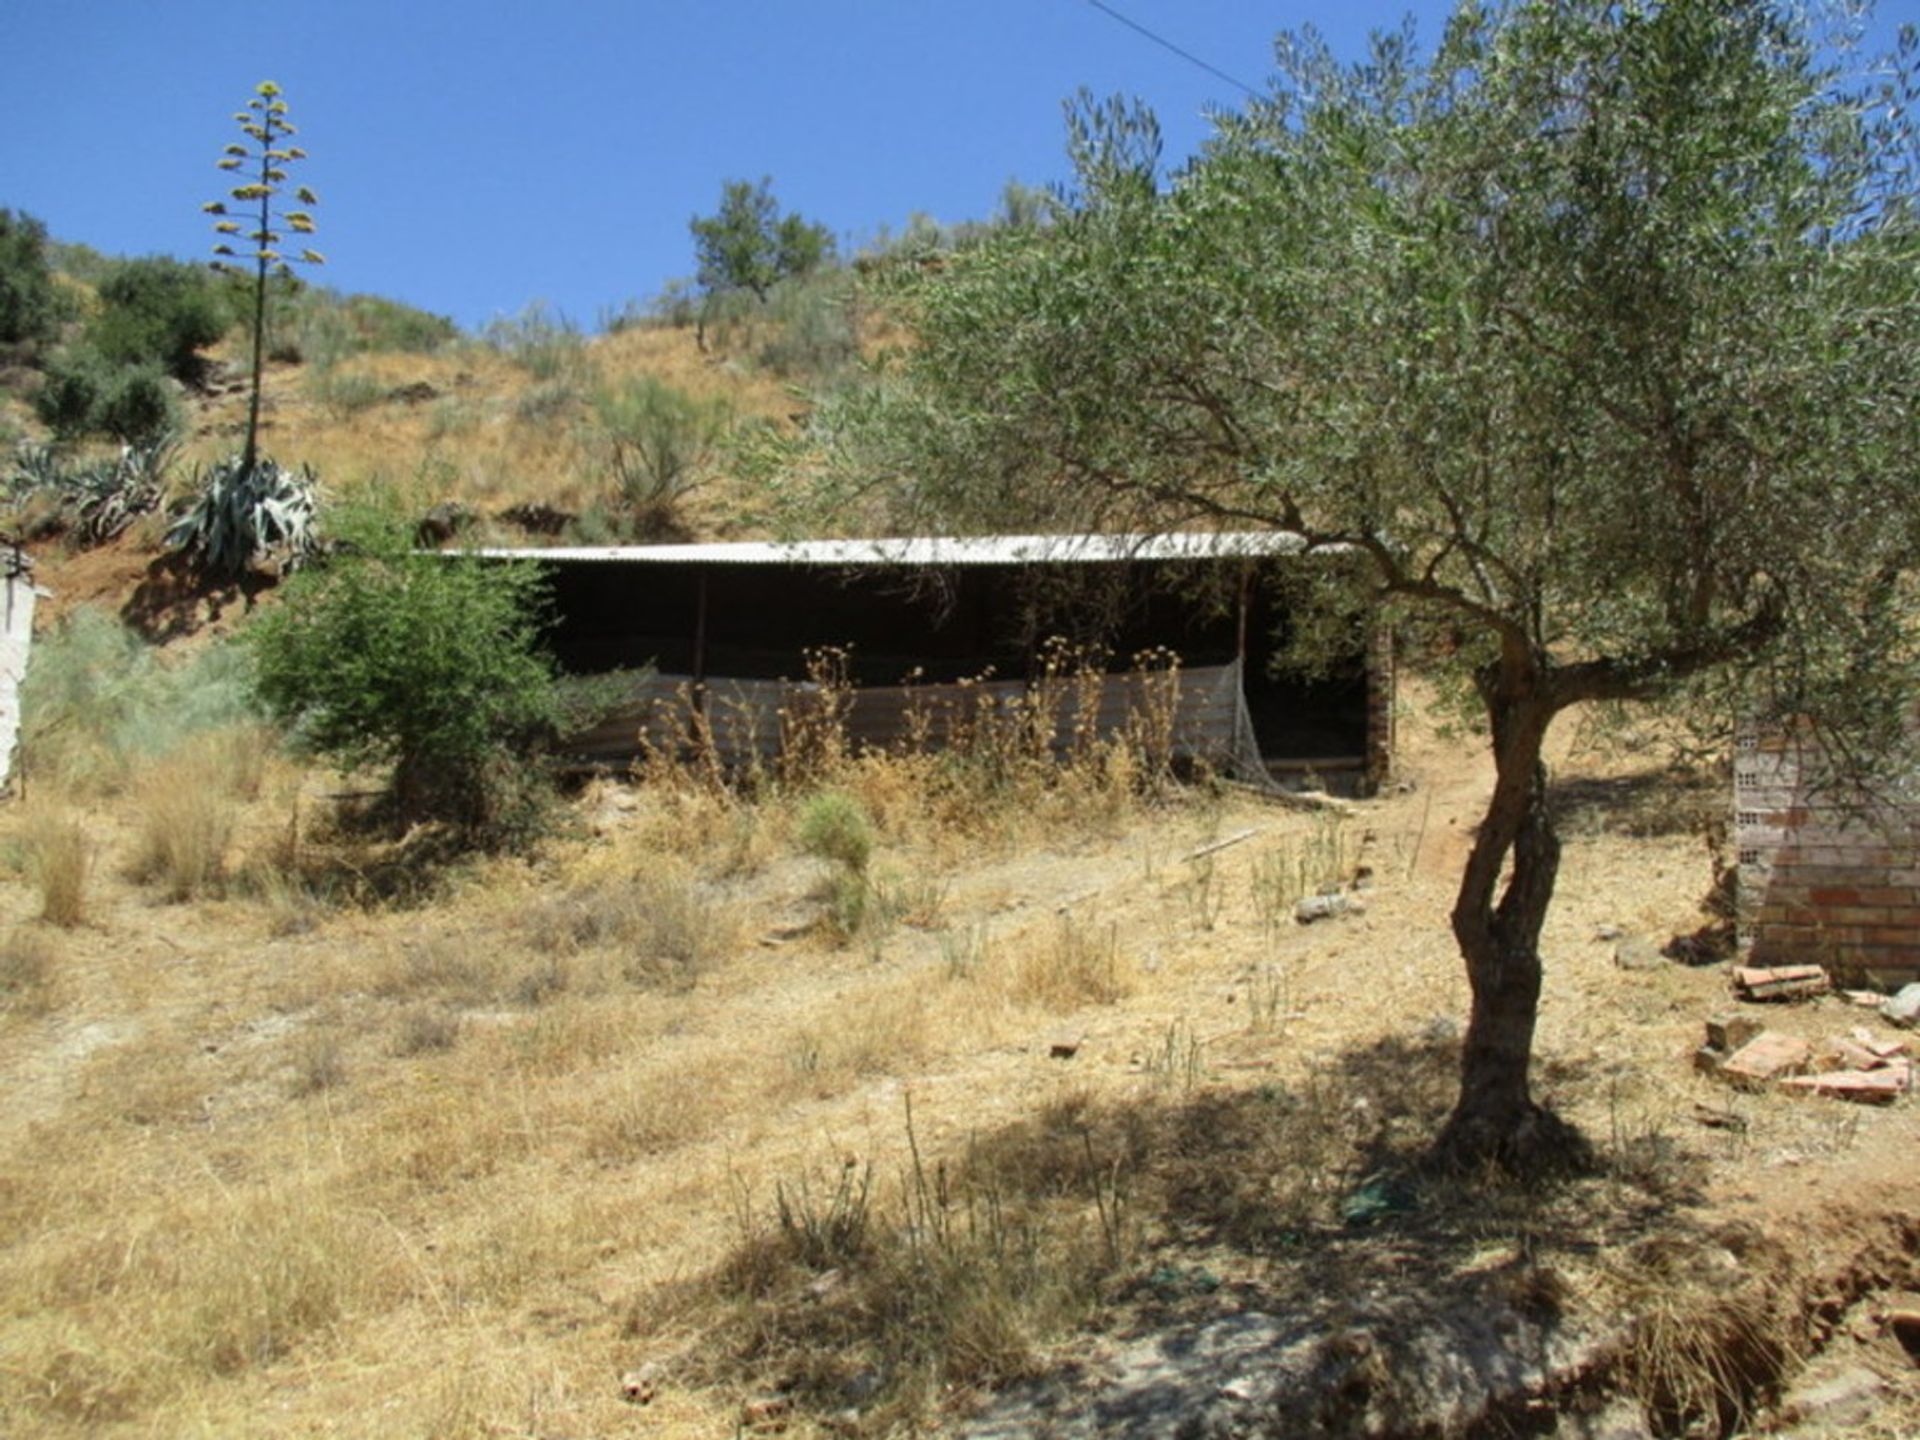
(482,1237)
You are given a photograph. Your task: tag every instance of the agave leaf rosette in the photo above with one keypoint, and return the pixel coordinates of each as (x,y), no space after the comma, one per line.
(249,514)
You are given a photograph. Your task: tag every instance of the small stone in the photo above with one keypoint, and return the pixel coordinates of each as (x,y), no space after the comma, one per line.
(1903,1008)
(1441,1030)
(824,1284)
(1619,1419)
(1608,932)
(1065,1047)
(768,1415)
(863,1386)
(1326,907)
(639,1387)
(1849,1398)
(1637,953)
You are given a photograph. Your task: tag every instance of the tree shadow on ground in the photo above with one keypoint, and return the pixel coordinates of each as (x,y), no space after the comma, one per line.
(1666,800)
(175,598)
(1290,1230)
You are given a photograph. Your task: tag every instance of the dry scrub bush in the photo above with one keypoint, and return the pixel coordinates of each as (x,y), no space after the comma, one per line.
(1076,966)
(651,1112)
(657,921)
(424,1029)
(130,1315)
(58,859)
(885,1033)
(952,1277)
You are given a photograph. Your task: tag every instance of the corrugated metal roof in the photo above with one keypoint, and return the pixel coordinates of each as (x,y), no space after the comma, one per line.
(926,550)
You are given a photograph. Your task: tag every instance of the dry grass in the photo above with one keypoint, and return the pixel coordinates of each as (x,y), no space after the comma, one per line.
(58,858)
(29,971)
(189,805)
(451,1165)
(1071,966)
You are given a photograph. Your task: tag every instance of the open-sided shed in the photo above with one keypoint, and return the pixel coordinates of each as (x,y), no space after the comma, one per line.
(924,625)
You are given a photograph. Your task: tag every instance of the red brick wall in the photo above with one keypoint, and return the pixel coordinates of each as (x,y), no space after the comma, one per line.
(1824,878)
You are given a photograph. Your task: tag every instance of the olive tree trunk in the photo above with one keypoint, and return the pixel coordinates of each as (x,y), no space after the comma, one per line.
(1498,930)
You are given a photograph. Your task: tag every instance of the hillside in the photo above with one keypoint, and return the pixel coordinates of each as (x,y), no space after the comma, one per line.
(1046,1108)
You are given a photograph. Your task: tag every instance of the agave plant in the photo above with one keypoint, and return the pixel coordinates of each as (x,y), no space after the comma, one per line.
(109,497)
(249,513)
(35,468)
(94,502)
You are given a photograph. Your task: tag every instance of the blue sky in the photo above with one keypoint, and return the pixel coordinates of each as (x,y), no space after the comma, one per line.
(471,157)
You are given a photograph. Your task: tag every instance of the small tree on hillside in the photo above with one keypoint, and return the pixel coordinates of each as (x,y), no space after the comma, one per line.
(30,304)
(261,163)
(747,244)
(1591,347)
(430,664)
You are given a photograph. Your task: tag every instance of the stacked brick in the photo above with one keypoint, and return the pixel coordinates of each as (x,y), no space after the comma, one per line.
(1382,713)
(1824,878)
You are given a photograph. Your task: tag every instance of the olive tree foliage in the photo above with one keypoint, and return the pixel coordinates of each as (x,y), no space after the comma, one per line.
(1589,346)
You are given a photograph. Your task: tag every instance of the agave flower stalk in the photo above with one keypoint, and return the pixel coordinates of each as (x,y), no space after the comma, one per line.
(261,164)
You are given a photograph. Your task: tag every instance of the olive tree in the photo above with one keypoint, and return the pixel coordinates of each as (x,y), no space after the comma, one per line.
(1589,346)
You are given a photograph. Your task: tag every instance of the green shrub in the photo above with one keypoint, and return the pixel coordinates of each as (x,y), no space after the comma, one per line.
(159,311)
(323,327)
(69,397)
(659,439)
(137,407)
(540,339)
(97,699)
(430,664)
(815,332)
(834,827)
(344,392)
(31,307)
(85,393)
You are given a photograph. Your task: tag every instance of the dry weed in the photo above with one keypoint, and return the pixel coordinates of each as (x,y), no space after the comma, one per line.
(59,860)
(29,962)
(885,1033)
(1076,965)
(660,923)
(424,1029)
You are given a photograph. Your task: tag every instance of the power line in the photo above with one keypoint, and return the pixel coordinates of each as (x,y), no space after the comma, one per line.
(1166,44)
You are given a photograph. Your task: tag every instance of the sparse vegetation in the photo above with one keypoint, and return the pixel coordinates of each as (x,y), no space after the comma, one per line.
(323,1120)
